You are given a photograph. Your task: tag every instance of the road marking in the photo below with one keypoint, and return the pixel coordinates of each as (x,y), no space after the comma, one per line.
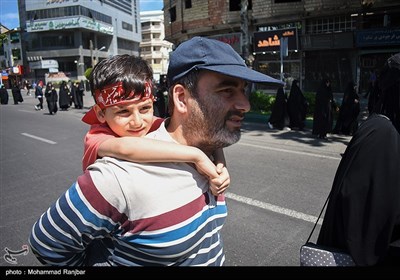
(26,111)
(290,151)
(39,138)
(274,208)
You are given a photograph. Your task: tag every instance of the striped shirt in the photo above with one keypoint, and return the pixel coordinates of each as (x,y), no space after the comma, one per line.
(153,215)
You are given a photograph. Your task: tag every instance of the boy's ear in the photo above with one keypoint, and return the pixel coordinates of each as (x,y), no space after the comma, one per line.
(99,113)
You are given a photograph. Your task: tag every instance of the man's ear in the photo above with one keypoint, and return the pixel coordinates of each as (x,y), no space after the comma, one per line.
(99,113)
(180,96)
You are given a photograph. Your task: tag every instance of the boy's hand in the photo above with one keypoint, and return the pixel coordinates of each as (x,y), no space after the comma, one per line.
(218,185)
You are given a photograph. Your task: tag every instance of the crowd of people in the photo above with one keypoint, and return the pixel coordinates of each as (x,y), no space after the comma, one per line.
(289,112)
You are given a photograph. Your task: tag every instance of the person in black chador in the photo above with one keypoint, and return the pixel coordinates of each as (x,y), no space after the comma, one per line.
(64,98)
(347,122)
(3,95)
(324,108)
(363,214)
(279,117)
(51,98)
(16,94)
(297,107)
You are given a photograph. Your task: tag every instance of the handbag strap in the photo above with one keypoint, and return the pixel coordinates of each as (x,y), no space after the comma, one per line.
(319,216)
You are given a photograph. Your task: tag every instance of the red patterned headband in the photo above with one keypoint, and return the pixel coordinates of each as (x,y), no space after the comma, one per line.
(114,94)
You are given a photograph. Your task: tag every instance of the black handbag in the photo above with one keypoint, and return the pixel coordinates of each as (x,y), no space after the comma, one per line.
(312,254)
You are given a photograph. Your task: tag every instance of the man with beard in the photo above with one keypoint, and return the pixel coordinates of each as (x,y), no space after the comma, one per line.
(159,214)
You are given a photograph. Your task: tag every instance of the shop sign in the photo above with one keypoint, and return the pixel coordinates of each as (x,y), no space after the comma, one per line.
(68,23)
(233,39)
(44,64)
(382,37)
(268,41)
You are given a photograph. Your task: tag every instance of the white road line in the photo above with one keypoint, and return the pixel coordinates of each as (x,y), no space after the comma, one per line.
(274,208)
(26,111)
(289,151)
(39,138)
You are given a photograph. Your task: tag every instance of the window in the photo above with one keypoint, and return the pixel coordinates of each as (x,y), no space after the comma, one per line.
(329,25)
(172,14)
(188,4)
(234,5)
(16,53)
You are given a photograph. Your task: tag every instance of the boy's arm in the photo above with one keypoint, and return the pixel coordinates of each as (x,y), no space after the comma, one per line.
(221,183)
(139,149)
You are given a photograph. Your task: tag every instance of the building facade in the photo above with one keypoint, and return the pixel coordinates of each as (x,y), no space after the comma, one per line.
(11,57)
(70,36)
(153,48)
(338,39)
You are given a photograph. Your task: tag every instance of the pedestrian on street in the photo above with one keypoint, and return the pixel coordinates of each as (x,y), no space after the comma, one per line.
(159,214)
(51,98)
(324,108)
(279,118)
(3,95)
(64,98)
(39,95)
(16,94)
(363,213)
(297,107)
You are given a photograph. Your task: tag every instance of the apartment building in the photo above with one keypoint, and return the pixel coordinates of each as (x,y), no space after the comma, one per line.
(70,36)
(10,56)
(338,39)
(153,48)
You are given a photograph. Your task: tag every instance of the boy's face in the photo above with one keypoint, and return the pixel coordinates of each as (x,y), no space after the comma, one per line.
(131,119)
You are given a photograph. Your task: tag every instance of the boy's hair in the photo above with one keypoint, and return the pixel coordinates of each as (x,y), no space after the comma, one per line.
(119,79)
(132,71)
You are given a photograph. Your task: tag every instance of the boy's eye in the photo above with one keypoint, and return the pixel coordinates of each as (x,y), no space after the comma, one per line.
(124,111)
(146,108)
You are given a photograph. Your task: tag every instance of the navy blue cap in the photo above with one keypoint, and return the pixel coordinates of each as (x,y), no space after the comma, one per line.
(213,55)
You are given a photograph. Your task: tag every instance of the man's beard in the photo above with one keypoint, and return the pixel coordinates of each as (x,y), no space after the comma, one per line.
(206,127)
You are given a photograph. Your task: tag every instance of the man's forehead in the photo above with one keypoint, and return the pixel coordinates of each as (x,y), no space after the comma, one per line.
(220,80)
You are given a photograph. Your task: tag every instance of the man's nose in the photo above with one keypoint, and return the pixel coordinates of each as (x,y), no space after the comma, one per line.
(242,103)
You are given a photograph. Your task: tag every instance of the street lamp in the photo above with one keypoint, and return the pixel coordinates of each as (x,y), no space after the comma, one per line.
(96,57)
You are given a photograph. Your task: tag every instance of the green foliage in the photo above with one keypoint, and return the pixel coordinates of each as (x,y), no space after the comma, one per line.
(261,102)
(310,96)
(87,72)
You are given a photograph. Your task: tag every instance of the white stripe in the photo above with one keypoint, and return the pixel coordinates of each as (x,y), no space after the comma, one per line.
(274,208)
(39,138)
(290,151)
(26,111)
(91,209)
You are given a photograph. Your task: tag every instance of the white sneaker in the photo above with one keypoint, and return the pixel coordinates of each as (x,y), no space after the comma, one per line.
(270,125)
(36,108)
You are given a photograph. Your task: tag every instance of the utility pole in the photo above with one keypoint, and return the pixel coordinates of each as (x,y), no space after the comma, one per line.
(244,24)
(91,53)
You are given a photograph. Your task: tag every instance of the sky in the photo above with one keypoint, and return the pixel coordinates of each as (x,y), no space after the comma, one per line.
(9,10)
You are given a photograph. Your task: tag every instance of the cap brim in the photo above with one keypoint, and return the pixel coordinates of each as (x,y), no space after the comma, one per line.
(90,117)
(242,72)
